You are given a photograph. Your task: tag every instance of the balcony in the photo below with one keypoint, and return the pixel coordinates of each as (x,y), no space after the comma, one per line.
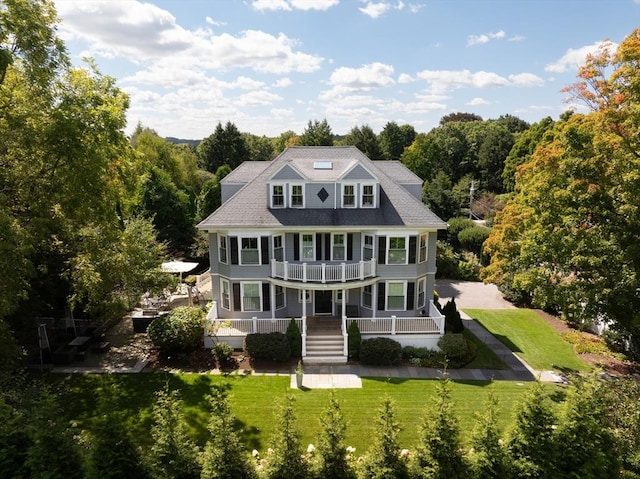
(323,273)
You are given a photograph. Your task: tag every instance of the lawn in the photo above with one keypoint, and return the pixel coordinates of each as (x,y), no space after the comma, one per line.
(530,337)
(252,400)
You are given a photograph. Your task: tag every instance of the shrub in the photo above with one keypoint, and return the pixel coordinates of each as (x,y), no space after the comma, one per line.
(455,348)
(473,238)
(295,338)
(270,346)
(180,331)
(380,351)
(410,352)
(455,227)
(354,340)
(222,352)
(452,319)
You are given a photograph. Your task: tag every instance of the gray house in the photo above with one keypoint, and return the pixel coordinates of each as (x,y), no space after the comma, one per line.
(325,236)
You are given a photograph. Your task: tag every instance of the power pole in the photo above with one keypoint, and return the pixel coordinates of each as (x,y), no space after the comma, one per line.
(471,191)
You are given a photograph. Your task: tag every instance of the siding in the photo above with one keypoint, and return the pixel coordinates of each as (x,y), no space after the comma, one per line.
(358,173)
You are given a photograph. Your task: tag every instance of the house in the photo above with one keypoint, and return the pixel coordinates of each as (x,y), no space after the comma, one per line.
(326,236)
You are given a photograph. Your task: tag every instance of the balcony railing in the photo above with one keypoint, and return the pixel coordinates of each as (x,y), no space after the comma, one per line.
(323,273)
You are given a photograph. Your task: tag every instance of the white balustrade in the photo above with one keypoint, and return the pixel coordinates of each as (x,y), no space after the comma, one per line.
(323,272)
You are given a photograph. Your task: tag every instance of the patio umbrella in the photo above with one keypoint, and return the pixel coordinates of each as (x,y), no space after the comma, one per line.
(178,267)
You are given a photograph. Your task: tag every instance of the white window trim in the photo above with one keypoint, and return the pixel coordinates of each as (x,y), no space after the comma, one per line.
(226,248)
(362,295)
(355,195)
(373,246)
(307,292)
(375,195)
(426,247)
(273,245)
(344,246)
(284,298)
(242,285)
(406,248)
(240,249)
(228,283)
(386,295)
(421,281)
(291,195)
(271,195)
(337,296)
(313,239)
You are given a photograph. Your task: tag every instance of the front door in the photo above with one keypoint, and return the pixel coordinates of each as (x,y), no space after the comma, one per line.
(323,302)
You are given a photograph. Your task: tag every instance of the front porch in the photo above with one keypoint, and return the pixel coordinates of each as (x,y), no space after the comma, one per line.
(324,339)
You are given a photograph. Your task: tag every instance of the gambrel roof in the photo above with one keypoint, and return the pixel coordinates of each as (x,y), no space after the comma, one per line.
(249,206)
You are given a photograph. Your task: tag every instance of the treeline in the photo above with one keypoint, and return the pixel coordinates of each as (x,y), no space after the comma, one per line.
(589,432)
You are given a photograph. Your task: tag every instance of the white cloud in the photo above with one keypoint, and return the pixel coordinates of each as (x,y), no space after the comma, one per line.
(142,32)
(477,101)
(574,58)
(443,80)
(377,9)
(367,77)
(405,78)
(484,38)
(283,82)
(289,5)
(516,38)
(254,98)
(213,22)
(526,79)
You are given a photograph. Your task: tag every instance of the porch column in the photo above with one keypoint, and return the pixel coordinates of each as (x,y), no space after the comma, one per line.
(374,300)
(272,294)
(304,302)
(344,302)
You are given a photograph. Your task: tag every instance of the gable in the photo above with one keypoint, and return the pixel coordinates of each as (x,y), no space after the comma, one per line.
(287,173)
(359,172)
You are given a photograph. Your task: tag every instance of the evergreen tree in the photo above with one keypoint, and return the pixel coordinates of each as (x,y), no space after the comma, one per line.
(173,454)
(224,456)
(317,133)
(439,454)
(286,461)
(488,456)
(383,460)
(532,448)
(332,454)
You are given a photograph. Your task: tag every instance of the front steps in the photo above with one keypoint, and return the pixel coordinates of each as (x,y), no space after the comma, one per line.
(324,348)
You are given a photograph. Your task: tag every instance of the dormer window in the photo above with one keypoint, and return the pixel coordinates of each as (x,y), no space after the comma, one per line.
(297,196)
(368,196)
(348,196)
(277,196)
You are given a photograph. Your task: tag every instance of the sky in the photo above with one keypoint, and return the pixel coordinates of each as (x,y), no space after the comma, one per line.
(270,66)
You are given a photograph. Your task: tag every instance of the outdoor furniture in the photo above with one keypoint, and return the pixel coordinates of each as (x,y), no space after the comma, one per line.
(141,319)
(64,355)
(81,342)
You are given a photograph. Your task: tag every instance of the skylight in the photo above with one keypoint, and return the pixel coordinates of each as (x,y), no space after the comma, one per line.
(322,165)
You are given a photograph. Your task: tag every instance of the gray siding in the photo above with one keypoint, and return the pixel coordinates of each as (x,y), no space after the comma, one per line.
(312,200)
(230,189)
(287,173)
(358,173)
(415,190)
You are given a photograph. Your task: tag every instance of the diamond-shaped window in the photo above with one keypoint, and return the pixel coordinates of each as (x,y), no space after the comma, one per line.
(323,195)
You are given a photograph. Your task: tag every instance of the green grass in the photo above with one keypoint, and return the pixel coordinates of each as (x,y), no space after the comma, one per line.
(530,337)
(252,400)
(485,357)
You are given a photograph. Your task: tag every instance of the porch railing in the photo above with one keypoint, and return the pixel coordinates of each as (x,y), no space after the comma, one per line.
(432,324)
(323,273)
(240,327)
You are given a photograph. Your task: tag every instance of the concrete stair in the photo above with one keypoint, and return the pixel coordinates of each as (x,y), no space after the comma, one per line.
(324,347)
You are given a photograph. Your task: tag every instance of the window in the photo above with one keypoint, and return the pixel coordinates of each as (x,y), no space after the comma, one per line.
(225,294)
(397,250)
(278,248)
(422,288)
(367,296)
(396,291)
(308,249)
(250,250)
(304,296)
(368,196)
(251,299)
(280,297)
(297,196)
(277,196)
(338,249)
(367,247)
(348,196)
(222,249)
(422,253)
(338,298)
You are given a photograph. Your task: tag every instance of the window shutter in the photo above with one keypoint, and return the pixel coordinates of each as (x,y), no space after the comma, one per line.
(327,246)
(266,297)
(411,290)
(349,246)
(264,246)
(318,247)
(233,244)
(382,249)
(381,296)
(413,246)
(296,247)
(236,297)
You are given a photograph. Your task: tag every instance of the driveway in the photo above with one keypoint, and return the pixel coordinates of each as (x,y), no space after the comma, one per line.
(471,294)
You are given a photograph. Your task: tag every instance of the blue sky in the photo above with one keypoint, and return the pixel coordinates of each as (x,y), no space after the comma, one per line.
(269,66)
